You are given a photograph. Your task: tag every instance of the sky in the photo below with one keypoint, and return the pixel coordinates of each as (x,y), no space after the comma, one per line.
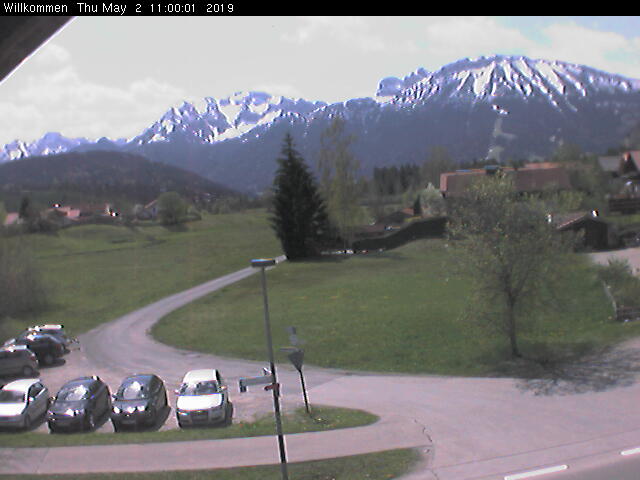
(114,76)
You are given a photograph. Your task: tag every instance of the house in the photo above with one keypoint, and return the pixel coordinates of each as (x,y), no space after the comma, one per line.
(629,166)
(533,177)
(610,165)
(11,219)
(627,200)
(593,230)
(68,213)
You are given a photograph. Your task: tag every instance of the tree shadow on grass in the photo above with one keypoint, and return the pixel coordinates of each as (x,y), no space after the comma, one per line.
(573,368)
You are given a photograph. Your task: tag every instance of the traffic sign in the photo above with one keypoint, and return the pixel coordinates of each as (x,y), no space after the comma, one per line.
(260,380)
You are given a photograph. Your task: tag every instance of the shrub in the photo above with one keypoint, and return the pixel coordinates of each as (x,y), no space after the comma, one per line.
(21,287)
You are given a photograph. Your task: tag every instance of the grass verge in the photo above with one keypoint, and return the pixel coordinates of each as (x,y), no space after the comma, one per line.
(95,273)
(372,466)
(323,419)
(397,311)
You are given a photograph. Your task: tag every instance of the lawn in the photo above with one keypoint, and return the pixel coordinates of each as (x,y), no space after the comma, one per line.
(372,466)
(322,419)
(95,273)
(396,311)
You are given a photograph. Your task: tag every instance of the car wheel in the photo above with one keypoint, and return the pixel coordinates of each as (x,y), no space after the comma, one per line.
(48,359)
(117,427)
(152,417)
(180,424)
(52,429)
(228,415)
(90,422)
(28,371)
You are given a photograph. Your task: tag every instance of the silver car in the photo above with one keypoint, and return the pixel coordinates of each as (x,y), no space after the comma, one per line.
(22,402)
(17,360)
(203,399)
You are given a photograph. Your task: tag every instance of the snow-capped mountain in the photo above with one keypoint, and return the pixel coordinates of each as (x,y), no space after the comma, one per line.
(50,143)
(223,119)
(498,107)
(499,77)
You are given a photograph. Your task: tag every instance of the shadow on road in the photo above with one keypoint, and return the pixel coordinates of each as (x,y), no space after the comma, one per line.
(585,369)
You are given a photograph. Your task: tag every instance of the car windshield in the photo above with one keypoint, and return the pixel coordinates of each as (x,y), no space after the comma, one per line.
(73,394)
(11,396)
(133,390)
(199,388)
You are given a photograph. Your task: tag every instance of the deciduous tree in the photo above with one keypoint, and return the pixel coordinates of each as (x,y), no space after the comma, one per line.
(510,250)
(172,209)
(339,178)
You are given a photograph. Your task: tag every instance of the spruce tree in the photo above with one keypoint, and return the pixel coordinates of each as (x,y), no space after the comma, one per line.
(300,219)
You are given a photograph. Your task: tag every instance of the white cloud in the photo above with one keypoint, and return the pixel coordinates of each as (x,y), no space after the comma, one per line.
(349,31)
(447,39)
(53,97)
(608,51)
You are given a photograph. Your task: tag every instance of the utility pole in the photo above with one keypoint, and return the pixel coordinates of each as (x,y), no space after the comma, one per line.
(263,263)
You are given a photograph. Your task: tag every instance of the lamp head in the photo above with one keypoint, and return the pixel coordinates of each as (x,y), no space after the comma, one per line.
(263,262)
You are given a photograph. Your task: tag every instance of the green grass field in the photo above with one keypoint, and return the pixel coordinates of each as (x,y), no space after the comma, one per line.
(323,419)
(396,311)
(95,273)
(373,466)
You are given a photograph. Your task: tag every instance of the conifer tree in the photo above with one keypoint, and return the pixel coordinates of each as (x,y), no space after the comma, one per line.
(300,219)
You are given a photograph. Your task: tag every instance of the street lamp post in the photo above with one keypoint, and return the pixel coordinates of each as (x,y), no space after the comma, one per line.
(263,263)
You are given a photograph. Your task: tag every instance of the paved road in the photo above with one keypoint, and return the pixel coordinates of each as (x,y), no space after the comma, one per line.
(468,428)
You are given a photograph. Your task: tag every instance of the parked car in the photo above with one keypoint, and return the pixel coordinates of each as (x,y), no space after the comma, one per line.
(22,402)
(46,347)
(55,330)
(79,404)
(18,360)
(140,400)
(202,399)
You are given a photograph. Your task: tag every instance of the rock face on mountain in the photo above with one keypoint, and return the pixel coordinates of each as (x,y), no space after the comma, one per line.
(498,107)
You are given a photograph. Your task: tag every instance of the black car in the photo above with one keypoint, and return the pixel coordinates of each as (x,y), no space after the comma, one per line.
(79,404)
(56,331)
(140,400)
(46,347)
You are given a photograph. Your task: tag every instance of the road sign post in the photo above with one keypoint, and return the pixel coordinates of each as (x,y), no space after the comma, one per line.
(263,263)
(296,357)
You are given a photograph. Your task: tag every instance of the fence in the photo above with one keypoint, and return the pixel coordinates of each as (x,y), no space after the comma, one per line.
(624,205)
(627,314)
(433,227)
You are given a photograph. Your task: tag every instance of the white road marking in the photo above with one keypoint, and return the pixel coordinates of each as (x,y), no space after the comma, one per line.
(535,473)
(632,451)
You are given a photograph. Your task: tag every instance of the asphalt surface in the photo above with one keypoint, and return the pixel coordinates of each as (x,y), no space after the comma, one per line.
(581,416)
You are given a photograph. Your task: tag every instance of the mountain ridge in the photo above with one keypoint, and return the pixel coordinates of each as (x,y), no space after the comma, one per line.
(500,106)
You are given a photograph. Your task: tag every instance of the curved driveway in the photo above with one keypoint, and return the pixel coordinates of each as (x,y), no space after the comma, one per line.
(468,427)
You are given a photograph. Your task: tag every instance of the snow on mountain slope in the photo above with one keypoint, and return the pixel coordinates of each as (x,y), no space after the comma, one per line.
(502,82)
(487,79)
(223,119)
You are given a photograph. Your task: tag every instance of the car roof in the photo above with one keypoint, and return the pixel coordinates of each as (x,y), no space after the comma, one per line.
(140,377)
(200,375)
(81,381)
(47,327)
(14,347)
(21,385)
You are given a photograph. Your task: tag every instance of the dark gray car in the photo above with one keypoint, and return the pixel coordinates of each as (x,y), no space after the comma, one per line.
(140,400)
(79,404)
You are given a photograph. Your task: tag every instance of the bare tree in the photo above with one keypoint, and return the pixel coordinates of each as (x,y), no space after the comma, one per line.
(339,178)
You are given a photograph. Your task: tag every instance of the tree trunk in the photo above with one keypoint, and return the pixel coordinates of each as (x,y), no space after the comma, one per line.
(511,327)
